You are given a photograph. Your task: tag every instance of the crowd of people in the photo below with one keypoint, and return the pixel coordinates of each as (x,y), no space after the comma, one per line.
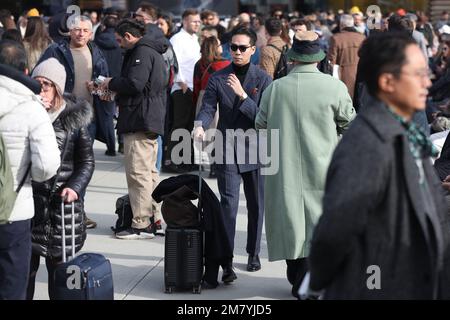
(361,111)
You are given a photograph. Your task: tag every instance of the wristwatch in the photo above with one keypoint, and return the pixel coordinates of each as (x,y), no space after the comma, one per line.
(244,96)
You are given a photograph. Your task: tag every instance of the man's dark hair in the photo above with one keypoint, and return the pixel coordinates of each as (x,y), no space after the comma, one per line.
(189,12)
(149,9)
(12,34)
(135,28)
(380,53)
(13,54)
(205,14)
(110,22)
(302,22)
(245,31)
(398,23)
(273,26)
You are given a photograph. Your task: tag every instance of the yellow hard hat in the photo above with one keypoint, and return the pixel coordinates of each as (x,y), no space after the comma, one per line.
(33,13)
(354,9)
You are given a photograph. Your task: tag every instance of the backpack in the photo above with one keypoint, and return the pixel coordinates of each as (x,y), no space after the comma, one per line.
(7,195)
(124,214)
(281,69)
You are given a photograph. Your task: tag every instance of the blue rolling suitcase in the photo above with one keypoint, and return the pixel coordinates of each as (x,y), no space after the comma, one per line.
(87,276)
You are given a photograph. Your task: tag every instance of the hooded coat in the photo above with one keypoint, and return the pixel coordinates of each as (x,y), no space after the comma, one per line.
(141,87)
(28,135)
(77,167)
(106,41)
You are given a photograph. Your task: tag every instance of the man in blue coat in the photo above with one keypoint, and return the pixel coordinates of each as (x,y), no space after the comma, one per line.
(237,89)
(84,62)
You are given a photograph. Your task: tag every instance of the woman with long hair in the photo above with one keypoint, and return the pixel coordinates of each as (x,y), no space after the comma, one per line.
(36,40)
(211,61)
(70,118)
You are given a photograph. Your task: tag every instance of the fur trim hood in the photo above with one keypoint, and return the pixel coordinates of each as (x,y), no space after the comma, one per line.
(77,114)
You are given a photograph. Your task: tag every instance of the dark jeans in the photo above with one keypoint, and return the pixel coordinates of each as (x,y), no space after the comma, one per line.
(15,253)
(34,266)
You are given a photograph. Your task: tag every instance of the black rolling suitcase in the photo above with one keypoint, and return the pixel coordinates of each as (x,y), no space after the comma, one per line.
(87,276)
(183,259)
(183,255)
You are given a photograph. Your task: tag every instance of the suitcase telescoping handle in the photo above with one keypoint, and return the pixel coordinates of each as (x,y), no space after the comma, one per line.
(63,226)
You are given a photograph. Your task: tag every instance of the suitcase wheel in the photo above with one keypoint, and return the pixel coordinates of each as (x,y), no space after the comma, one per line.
(197,289)
(169,290)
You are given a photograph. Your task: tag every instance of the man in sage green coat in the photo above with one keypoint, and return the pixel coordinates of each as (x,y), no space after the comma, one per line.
(310,109)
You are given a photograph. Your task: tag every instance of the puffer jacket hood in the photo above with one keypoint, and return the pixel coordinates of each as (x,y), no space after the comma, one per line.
(16,88)
(28,134)
(77,114)
(154,38)
(106,40)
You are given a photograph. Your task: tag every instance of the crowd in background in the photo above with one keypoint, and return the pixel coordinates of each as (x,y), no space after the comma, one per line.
(188,57)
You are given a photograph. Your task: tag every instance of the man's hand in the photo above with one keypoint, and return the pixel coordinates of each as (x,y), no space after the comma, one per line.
(183,86)
(90,85)
(105,84)
(69,195)
(235,84)
(198,134)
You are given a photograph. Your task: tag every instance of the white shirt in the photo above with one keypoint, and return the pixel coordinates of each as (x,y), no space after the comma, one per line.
(187,50)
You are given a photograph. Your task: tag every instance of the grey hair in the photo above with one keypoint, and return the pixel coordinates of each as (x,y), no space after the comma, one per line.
(73,21)
(347,21)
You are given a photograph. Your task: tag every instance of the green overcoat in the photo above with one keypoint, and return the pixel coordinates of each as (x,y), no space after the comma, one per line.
(310,109)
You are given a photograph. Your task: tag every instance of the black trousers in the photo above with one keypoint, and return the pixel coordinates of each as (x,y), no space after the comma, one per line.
(15,252)
(229,184)
(296,271)
(183,116)
(34,267)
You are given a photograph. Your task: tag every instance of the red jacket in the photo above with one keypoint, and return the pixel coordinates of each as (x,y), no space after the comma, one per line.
(202,72)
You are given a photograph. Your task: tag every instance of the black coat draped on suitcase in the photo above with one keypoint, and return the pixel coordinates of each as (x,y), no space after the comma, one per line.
(176,194)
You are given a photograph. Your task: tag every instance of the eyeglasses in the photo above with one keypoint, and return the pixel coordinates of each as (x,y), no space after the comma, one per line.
(426,73)
(45,85)
(241,48)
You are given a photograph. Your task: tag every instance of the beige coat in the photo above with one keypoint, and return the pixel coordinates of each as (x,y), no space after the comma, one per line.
(343,51)
(270,56)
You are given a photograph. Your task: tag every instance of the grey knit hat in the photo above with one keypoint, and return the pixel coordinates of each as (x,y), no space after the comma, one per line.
(53,71)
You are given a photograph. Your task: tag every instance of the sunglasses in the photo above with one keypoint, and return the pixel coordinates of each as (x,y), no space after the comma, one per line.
(45,85)
(241,48)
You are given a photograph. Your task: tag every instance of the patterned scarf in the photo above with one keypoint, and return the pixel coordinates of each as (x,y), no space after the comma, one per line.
(419,144)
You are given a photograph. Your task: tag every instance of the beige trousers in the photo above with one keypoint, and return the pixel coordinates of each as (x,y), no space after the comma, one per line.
(140,151)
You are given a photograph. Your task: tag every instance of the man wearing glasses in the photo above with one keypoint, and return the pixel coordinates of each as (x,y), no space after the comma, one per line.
(237,89)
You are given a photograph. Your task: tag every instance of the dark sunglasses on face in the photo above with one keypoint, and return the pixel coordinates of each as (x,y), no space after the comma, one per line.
(242,48)
(45,85)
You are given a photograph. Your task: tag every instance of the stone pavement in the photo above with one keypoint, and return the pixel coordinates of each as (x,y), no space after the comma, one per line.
(138,265)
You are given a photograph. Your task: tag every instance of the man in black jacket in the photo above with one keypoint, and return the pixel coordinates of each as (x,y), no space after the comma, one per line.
(140,89)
